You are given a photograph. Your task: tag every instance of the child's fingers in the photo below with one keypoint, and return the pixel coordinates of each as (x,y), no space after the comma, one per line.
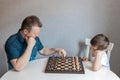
(84,58)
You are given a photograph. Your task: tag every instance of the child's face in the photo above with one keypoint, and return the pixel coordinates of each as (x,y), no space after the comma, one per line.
(94,50)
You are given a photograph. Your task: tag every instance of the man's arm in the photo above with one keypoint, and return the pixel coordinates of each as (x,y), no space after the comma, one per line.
(21,62)
(49,51)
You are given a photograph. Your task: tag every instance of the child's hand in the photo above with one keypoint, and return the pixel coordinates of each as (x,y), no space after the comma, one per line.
(84,59)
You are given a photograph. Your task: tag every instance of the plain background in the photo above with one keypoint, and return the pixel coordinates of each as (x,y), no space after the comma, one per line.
(66,24)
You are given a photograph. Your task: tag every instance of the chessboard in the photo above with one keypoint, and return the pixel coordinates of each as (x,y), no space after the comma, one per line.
(65,65)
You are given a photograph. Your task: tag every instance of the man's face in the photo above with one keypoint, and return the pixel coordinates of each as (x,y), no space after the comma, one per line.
(34,32)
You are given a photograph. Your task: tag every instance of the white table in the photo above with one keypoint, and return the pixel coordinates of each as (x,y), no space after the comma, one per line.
(35,71)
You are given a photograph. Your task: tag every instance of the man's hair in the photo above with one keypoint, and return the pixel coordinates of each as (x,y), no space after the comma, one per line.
(101,41)
(30,21)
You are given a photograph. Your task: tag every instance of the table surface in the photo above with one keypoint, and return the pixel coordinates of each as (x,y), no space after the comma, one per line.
(35,70)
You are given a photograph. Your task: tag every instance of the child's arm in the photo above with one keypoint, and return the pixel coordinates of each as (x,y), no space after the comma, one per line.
(97,63)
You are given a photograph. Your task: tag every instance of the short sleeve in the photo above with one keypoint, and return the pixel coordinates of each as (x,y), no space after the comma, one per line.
(39,44)
(105,61)
(12,52)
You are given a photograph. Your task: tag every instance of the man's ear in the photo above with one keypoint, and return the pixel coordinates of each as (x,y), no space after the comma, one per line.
(25,31)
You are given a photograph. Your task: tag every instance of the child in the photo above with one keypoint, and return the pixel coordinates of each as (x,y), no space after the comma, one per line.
(98,55)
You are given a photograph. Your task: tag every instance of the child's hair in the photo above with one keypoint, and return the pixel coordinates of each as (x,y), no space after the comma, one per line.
(101,41)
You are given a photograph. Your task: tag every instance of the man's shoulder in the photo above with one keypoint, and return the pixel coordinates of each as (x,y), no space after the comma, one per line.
(12,39)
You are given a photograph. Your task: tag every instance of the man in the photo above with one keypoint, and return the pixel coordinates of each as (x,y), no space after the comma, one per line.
(23,46)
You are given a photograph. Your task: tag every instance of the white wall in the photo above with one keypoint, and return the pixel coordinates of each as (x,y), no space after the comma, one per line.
(65,23)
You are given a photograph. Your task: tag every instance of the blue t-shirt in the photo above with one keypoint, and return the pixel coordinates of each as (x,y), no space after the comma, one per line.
(16,45)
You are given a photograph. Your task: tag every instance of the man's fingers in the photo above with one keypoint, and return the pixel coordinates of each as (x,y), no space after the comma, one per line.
(62,53)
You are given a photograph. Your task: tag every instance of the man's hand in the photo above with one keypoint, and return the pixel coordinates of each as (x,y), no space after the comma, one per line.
(31,41)
(62,52)
(50,51)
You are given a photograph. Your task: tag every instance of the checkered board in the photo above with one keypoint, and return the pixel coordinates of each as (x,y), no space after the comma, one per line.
(65,65)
